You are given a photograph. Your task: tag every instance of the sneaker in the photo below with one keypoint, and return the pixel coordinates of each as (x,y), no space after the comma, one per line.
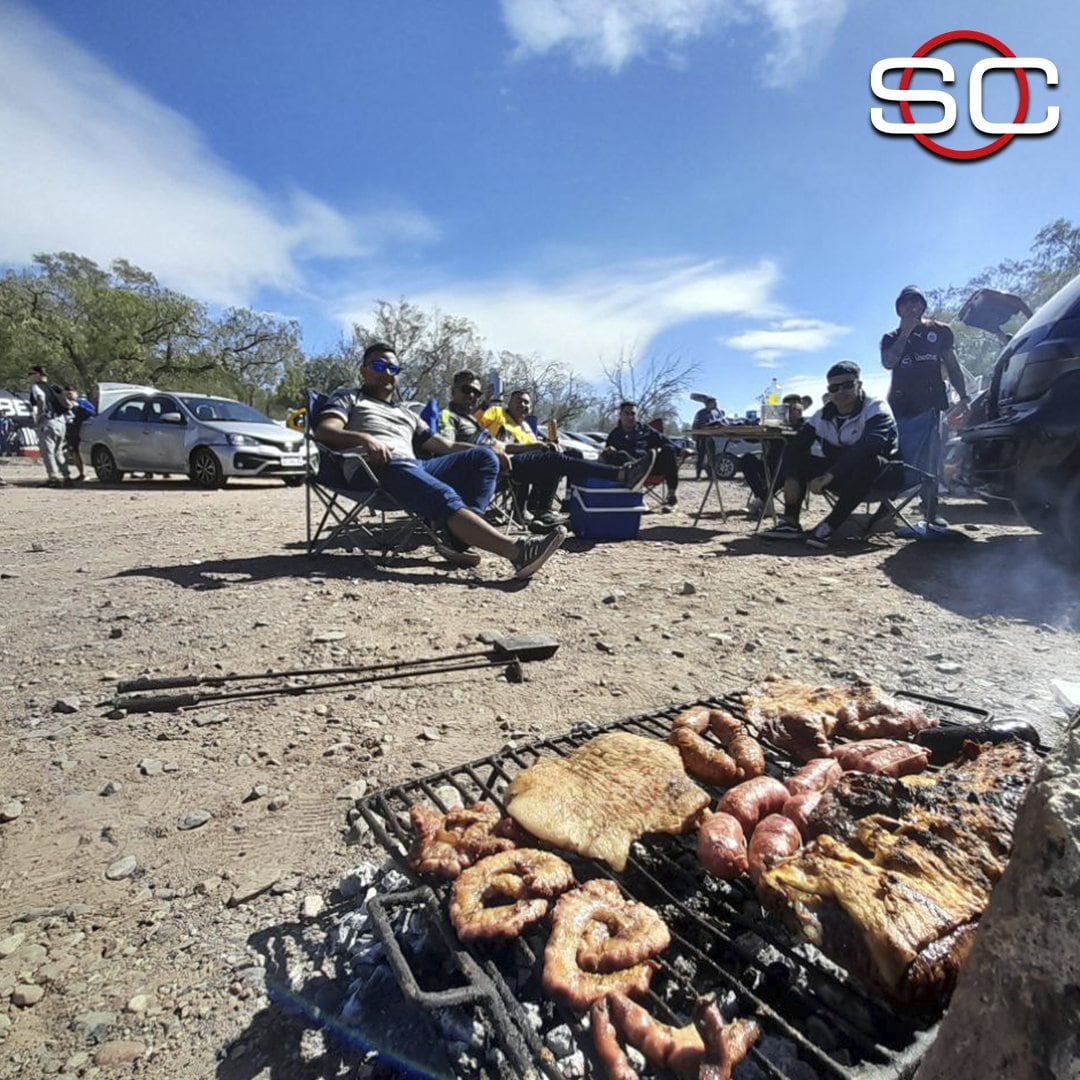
(469,557)
(784,529)
(756,506)
(544,523)
(672,500)
(635,474)
(535,551)
(820,538)
(494,516)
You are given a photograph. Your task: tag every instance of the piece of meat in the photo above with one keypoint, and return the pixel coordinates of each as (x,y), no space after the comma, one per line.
(887,757)
(775,838)
(815,775)
(721,846)
(606,1040)
(724,1045)
(738,757)
(445,844)
(799,809)
(678,1049)
(796,717)
(606,794)
(895,894)
(520,882)
(870,713)
(752,800)
(597,901)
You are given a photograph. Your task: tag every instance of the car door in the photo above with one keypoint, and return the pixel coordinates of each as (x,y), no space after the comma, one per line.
(125,432)
(165,449)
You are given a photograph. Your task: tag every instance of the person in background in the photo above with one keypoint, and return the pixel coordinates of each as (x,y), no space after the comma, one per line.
(842,447)
(630,440)
(82,409)
(536,466)
(772,453)
(917,352)
(707,416)
(50,419)
(453,488)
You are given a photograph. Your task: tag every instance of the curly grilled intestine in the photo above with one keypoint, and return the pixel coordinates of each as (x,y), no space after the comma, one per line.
(445,844)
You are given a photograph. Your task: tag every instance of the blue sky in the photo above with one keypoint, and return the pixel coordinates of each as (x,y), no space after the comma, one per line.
(583,179)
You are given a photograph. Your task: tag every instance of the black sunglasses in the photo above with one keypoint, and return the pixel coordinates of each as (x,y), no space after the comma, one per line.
(384,365)
(472,391)
(835,388)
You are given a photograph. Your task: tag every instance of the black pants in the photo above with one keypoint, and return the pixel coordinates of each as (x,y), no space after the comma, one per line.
(850,489)
(535,475)
(753,468)
(666,464)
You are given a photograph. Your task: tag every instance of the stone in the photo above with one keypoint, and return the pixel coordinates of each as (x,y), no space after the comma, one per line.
(9,944)
(67,705)
(5,1025)
(150,767)
(11,810)
(138,1004)
(311,907)
(322,636)
(278,802)
(113,787)
(259,791)
(688,588)
(1016,1009)
(356,790)
(948,667)
(122,868)
(117,1052)
(194,819)
(253,885)
(27,994)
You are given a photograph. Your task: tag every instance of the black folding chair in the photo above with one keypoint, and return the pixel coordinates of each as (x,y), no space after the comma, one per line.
(336,509)
(893,489)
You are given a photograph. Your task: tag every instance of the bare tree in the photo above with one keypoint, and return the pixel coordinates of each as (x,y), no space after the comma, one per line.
(654,382)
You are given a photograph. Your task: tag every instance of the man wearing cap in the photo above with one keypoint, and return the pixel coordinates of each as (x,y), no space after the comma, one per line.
(51,423)
(708,416)
(842,448)
(535,467)
(917,352)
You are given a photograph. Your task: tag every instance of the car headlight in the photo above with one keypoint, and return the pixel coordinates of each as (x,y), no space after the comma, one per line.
(242,440)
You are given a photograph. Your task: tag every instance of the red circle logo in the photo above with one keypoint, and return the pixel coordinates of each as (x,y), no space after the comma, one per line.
(1002,50)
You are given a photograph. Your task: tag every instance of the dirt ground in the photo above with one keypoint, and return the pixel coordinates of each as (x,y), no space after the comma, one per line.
(163,971)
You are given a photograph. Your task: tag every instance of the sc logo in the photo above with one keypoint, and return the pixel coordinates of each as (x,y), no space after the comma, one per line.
(1006,60)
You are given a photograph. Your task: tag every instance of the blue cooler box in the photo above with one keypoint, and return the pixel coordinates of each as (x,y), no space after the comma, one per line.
(605,510)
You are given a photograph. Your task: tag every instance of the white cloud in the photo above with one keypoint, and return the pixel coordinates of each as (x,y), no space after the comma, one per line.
(611,33)
(96,166)
(787,336)
(596,316)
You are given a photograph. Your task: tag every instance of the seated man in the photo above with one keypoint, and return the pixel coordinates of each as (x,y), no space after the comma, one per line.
(536,466)
(753,467)
(630,439)
(452,489)
(842,448)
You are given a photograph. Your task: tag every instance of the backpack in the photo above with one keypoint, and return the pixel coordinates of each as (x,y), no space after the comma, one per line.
(56,401)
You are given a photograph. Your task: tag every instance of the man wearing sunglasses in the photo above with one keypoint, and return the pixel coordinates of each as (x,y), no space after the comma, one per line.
(452,488)
(535,467)
(842,448)
(917,352)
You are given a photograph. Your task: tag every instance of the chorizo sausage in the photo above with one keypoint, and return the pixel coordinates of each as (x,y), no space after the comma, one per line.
(815,775)
(775,838)
(721,845)
(799,808)
(752,800)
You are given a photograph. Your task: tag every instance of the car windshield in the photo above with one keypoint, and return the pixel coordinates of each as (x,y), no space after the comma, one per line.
(224,410)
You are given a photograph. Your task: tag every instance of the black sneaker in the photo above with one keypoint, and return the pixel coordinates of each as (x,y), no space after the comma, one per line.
(453,551)
(784,529)
(672,500)
(535,551)
(635,474)
(545,522)
(820,538)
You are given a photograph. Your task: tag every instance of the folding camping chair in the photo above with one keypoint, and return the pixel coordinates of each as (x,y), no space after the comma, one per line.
(892,490)
(340,523)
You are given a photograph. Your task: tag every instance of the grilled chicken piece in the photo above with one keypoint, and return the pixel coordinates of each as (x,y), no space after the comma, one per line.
(895,892)
(606,794)
(870,713)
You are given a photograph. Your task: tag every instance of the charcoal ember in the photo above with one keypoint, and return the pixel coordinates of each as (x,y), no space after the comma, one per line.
(819,1033)
(781,1052)
(749,946)
(573,1067)
(560,1041)
(393,880)
(847,1005)
(533,1016)
(348,931)
(748,1070)
(462,1027)
(449,796)
(464,1061)
(358,880)
(685,968)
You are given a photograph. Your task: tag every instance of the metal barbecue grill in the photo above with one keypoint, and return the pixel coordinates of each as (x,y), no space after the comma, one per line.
(816,1021)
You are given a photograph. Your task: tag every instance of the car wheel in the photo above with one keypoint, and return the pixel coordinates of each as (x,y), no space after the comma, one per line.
(1067,533)
(726,467)
(293,481)
(206,471)
(104,465)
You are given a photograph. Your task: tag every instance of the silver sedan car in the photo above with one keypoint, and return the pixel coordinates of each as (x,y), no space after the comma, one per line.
(208,438)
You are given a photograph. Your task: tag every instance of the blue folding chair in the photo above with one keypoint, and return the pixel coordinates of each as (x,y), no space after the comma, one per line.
(339,506)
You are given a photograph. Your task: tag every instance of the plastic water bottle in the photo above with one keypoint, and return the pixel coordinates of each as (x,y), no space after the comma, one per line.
(772,392)
(771,410)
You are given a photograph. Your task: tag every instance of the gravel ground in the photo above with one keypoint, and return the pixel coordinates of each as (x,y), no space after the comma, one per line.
(157,871)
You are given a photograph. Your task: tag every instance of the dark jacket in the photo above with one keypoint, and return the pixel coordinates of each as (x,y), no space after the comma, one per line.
(847,441)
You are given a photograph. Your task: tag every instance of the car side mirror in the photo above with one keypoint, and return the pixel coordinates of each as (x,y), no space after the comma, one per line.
(171,418)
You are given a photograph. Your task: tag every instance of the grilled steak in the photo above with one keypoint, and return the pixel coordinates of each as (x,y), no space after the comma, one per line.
(893,891)
(606,794)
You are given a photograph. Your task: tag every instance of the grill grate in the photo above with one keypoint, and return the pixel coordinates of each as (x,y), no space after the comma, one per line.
(815,1020)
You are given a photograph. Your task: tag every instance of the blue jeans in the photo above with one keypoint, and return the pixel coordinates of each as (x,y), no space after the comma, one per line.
(920,445)
(436,488)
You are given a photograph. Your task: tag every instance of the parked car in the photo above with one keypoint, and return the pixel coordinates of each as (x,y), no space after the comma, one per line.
(209,438)
(1025,445)
(570,441)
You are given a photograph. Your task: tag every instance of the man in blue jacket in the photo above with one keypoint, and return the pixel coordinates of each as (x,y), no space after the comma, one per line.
(841,448)
(631,440)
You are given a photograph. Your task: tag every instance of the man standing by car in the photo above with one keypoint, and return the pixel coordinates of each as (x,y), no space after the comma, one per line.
(707,416)
(50,406)
(916,353)
(453,488)
(631,440)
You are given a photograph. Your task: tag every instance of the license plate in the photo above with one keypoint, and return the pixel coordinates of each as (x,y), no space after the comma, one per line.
(292,460)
